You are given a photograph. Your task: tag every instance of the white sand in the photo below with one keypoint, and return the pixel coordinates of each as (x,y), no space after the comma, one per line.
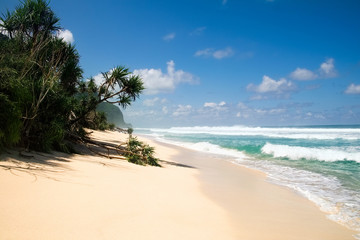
(62,196)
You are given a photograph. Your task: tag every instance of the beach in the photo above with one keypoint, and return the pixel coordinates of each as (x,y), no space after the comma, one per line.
(194,195)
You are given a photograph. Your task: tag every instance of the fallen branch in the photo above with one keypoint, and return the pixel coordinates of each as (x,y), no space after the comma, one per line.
(134,151)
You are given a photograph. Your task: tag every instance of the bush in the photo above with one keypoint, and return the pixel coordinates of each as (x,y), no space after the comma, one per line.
(140,153)
(10,124)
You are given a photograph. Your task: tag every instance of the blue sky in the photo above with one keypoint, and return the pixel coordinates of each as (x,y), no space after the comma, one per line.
(218,62)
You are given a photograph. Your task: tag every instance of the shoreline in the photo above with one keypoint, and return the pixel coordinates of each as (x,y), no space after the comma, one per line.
(284,200)
(194,196)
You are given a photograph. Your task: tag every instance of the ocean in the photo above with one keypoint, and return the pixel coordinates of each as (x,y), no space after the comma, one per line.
(322,163)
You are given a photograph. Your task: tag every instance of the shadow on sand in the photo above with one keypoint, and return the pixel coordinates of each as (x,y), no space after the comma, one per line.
(34,163)
(177,164)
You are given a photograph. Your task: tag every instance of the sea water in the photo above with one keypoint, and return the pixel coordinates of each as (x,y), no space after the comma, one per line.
(322,163)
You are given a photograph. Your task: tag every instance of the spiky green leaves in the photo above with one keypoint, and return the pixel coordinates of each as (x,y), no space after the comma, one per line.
(120,86)
(31,18)
(140,153)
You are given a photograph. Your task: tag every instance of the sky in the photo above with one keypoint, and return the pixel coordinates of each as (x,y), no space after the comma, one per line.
(224,62)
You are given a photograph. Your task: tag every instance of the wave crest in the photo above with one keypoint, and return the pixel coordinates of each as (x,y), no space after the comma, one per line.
(283,132)
(322,154)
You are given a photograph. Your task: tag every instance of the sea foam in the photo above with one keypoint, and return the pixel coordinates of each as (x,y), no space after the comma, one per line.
(341,204)
(323,154)
(284,132)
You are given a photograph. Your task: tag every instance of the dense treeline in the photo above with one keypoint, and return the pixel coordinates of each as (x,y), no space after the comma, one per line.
(44,103)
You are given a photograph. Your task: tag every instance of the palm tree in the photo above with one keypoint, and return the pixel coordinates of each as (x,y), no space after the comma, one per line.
(30,19)
(39,71)
(119,86)
(40,87)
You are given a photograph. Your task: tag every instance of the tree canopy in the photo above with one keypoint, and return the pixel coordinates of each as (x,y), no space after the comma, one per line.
(44,100)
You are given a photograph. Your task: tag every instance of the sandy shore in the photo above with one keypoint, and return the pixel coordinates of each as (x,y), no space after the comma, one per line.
(194,196)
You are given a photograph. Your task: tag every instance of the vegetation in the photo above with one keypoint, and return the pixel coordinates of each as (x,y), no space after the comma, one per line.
(140,153)
(113,114)
(44,103)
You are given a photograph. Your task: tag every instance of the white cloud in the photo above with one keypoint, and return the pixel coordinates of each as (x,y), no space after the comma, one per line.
(198,31)
(213,109)
(327,68)
(303,74)
(3,31)
(66,35)
(269,85)
(215,105)
(169,37)
(182,110)
(99,79)
(205,52)
(353,89)
(218,54)
(210,104)
(153,101)
(155,81)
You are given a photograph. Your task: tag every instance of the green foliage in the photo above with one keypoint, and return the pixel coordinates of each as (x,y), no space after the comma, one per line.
(119,86)
(30,19)
(130,131)
(99,122)
(113,114)
(140,153)
(43,102)
(10,123)
(112,126)
(39,75)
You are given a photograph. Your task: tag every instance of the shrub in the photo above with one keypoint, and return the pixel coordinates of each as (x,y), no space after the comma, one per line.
(140,153)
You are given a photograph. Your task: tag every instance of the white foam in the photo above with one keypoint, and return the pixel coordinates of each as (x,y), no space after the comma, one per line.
(322,154)
(206,147)
(340,204)
(293,133)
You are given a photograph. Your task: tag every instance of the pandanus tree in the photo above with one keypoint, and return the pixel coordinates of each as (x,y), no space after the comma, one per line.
(31,19)
(119,86)
(43,102)
(38,71)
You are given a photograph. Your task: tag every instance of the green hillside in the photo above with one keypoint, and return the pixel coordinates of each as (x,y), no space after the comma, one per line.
(113,114)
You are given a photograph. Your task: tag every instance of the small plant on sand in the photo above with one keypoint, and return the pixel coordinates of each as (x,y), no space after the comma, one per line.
(140,153)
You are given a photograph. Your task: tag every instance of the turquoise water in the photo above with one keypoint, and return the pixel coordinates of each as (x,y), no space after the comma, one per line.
(322,163)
